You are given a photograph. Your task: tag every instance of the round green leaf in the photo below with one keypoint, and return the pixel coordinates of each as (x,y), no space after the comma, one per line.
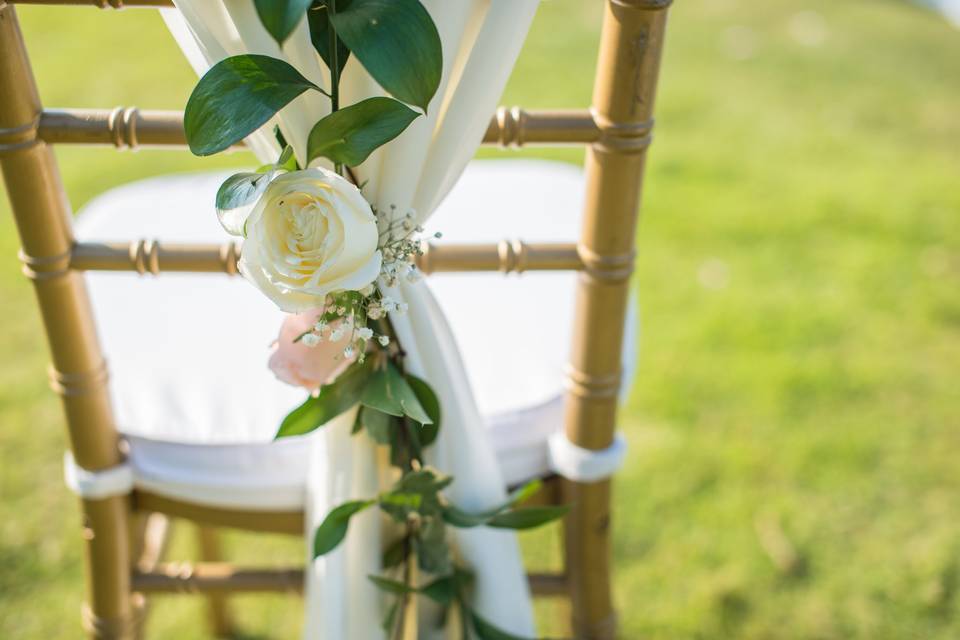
(236,97)
(351,134)
(281,17)
(397,43)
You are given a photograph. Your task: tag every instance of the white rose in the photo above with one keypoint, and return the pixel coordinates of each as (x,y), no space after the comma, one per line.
(311,233)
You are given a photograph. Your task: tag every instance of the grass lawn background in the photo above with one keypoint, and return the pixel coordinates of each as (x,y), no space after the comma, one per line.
(799,273)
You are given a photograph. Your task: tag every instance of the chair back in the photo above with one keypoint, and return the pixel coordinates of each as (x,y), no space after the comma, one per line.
(616,132)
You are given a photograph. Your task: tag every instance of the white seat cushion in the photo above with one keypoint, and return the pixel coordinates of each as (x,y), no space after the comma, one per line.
(188,352)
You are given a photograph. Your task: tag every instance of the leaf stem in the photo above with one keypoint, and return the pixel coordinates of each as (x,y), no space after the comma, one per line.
(406,599)
(334,68)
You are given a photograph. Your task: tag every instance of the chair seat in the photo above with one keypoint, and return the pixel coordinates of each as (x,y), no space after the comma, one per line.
(187,352)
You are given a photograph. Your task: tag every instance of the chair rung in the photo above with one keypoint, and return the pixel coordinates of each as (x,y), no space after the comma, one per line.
(130,128)
(102,4)
(548,585)
(147,256)
(206,577)
(286,522)
(221,577)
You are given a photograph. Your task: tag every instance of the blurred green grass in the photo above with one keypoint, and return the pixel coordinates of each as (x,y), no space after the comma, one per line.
(799,263)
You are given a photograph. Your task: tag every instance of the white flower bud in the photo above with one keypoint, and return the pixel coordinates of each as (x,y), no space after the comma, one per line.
(364,333)
(368,290)
(383,340)
(349,352)
(310,339)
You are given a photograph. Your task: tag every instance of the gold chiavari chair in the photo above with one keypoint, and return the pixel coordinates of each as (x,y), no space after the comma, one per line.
(122,553)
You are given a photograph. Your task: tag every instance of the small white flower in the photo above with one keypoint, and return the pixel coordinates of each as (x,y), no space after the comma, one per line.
(337,334)
(374,312)
(368,290)
(364,333)
(383,340)
(348,352)
(310,339)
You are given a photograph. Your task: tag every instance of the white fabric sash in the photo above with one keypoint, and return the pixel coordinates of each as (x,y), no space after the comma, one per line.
(481,40)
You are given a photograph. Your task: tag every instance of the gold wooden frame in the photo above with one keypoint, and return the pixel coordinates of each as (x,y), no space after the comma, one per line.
(122,556)
(133,128)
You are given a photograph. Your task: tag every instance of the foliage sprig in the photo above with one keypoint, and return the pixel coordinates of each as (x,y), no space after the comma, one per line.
(398,44)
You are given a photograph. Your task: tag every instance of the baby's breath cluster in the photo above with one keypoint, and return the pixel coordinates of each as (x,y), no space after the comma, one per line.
(350,314)
(400,245)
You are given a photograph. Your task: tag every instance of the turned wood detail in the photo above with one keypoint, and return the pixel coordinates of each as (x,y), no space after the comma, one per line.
(127,626)
(45,267)
(100,4)
(78,383)
(585,385)
(19,137)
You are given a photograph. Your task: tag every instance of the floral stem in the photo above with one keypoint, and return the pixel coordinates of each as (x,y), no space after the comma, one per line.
(406,599)
(334,68)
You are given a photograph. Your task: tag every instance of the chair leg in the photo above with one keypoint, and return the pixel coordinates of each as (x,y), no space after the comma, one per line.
(211,551)
(587,551)
(150,533)
(109,613)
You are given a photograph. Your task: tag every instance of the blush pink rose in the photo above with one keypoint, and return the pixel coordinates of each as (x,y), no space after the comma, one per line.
(309,367)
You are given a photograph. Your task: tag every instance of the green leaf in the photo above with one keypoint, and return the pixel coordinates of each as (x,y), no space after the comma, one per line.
(487,631)
(442,590)
(431,405)
(527,518)
(391,617)
(238,191)
(319,22)
(333,529)
(333,399)
(287,160)
(460,518)
(391,586)
(430,545)
(463,519)
(524,492)
(389,392)
(235,97)
(394,554)
(281,17)
(350,135)
(380,393)
(397,43)
(377,423)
